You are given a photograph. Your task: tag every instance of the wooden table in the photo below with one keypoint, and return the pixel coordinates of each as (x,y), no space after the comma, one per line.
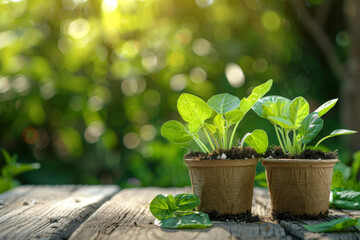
(105,212)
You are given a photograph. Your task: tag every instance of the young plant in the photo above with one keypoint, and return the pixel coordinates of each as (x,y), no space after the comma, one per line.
(220,130)
(177,211)
(11,170)
(293,124)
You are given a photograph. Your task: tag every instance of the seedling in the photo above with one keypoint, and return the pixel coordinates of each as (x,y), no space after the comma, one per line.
(177,211)
(224,113)
(293,124)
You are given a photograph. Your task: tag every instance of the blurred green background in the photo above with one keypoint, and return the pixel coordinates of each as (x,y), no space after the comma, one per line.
(86,84)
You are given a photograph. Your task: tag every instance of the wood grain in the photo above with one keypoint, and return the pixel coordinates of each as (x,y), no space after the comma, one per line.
(127,216)
(49,212)
(87,212)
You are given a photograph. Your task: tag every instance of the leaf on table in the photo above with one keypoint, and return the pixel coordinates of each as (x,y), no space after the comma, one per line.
(161,208)
(186,202)
(197,220)
(332,226)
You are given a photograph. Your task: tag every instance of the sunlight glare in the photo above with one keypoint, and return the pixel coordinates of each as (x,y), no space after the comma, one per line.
(235,75)
(109,5)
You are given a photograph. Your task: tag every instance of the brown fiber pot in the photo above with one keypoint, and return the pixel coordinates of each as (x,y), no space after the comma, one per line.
(224,186)
(299,186)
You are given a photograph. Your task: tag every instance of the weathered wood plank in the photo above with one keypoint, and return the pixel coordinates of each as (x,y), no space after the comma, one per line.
(262,207)
(296,229)
(126,216)
(49,212)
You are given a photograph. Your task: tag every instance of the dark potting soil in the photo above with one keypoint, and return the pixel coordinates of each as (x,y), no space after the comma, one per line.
(298,218)
(276,152)
(233,153)
(243,217)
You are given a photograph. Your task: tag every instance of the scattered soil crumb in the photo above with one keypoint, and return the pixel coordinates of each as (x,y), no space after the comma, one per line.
(231,154)
(298,218)
(276,152)
(246,217)
(25,203)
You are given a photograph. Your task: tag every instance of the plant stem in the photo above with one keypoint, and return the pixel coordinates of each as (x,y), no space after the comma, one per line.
(225,136)
(209,139)
(215,140)
(201,147)
(233,134)
(220,140)
(280,142)
(200,143)
(295,143)
(290,146)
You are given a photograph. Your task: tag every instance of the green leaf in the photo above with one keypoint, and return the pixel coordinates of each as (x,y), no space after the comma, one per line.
(337,132)
(211,128)
(346,199)
(9,160)
(191,221)
(260,180)
(299,109)
(310,127)
(186,202)
(355,167)
(332,226)
(282,122)
(193,128)
(281,108)
(326,107)
(258,140)
(193,109)
(234,116)
(223,103)
(175,132)
(247,103)
(219,123)
(161,208)
(14,170)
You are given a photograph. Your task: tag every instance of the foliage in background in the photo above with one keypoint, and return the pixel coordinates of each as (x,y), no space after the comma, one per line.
(347,177)
(11,169)
(86,85)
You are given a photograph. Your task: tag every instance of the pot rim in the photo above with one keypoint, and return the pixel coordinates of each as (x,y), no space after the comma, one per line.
(296,163)
(288,160)
(221,162)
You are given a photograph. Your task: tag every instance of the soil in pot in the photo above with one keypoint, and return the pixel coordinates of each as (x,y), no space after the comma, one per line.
(246,217)
(233,153)
(299,218)
(276,153)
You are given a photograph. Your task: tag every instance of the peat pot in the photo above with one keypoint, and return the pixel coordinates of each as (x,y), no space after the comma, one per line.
(223,186)
(299,186)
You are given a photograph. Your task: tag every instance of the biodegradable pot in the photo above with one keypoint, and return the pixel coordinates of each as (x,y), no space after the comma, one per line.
(299,186)
(223,186)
